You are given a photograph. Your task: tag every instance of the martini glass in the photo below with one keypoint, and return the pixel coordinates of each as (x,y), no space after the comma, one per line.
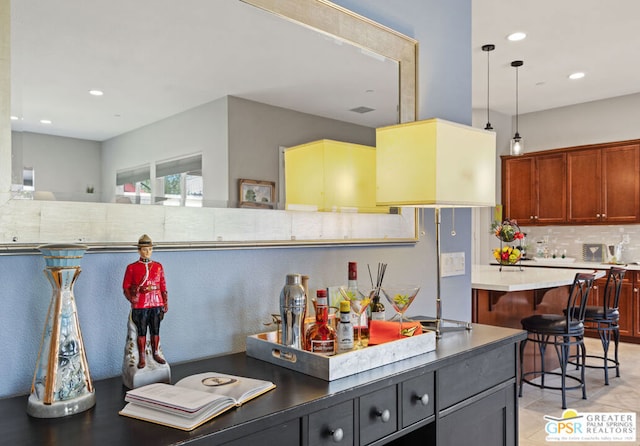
(359,303)
(401,298)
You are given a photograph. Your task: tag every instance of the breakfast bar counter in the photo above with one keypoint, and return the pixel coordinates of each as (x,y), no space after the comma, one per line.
(516,278)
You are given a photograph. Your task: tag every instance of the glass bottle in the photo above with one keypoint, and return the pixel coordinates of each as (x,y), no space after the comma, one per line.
(345,328)
(361,321)
(377,308)
(320,337)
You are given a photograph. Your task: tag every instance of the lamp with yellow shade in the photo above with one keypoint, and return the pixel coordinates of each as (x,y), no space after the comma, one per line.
(328,175)
(435,164)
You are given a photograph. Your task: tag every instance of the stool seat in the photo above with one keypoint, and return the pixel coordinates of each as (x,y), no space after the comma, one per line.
(552,324)
(602,314)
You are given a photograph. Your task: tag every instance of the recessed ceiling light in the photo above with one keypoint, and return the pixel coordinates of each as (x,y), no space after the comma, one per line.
(578,75)
(14,118)
(96,92)
(45,121)
(514,37)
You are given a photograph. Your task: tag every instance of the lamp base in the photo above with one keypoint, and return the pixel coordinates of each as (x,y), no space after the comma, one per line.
(441,326)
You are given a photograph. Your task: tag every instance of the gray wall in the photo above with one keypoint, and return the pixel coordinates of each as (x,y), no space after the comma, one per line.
(256,131)
(201,129)
(218,297)
(614,119)
(64,166)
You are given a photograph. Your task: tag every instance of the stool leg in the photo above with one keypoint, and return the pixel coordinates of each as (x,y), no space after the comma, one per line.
(563,356)
(523,343)
(605,339)
(583,349)
(616,340)
(542,348)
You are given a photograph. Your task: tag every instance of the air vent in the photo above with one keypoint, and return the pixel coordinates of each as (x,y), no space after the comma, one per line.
(362,109)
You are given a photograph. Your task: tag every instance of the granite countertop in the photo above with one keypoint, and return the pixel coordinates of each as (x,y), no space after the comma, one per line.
(489,277)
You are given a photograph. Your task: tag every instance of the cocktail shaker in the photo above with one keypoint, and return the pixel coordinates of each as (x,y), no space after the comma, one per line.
(293,310)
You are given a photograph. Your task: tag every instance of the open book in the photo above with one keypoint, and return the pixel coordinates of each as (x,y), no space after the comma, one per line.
(193,400)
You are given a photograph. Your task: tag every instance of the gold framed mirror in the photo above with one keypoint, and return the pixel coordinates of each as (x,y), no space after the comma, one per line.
(26,223)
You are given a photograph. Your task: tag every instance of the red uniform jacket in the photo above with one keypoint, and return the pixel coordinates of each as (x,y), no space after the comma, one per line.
(144,284)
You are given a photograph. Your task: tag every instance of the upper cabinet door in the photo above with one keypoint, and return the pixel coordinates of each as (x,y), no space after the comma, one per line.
(551,188)
(584,186)
(621,184)
(518,195)
(534,189)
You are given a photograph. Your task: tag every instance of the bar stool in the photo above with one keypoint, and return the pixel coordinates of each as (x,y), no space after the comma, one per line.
(604,319)
(563,331)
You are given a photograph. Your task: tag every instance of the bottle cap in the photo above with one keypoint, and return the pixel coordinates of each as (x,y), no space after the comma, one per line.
(321,292)
(353,270)
(293,279)
(345,306)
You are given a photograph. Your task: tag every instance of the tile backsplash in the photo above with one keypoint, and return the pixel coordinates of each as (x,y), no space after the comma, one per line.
(571,239)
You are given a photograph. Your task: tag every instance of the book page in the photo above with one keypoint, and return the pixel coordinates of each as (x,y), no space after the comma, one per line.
(169,397)
(240,388)
(133,410)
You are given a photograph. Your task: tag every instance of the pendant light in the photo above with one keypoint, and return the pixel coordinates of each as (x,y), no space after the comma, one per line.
(517,145)
(488,48)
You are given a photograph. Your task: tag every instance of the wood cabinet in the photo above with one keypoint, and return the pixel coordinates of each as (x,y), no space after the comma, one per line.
(592,184)
(534,189)
(625,305)
(604,185)
(465,389)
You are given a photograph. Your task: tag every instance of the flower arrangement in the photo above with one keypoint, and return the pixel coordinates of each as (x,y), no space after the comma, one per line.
(507,231)
(507,255)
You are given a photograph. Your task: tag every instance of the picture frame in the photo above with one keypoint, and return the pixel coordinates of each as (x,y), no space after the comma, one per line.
(257,194)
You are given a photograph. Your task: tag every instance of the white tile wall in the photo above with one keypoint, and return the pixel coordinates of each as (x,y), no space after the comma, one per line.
(572,238)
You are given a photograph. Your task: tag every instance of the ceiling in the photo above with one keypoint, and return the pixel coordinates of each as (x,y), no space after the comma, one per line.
(598,37)
(157,58)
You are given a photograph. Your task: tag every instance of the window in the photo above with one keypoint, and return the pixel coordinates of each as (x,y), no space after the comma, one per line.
(180,181)
(134,185)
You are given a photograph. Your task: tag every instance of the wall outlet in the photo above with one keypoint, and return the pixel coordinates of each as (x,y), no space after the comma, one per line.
(452,264)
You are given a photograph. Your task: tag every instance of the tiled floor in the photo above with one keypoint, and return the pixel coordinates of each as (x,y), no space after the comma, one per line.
(621,395)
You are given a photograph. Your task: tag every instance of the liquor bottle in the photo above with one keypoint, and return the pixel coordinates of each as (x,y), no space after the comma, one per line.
(377,308)
(359,321)
(320,337)
(345,328)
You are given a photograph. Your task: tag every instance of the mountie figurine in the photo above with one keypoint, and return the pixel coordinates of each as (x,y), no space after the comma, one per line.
(145,288)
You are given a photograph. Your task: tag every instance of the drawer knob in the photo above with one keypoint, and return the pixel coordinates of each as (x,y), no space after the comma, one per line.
(424,399)
(337,435)
(384,415)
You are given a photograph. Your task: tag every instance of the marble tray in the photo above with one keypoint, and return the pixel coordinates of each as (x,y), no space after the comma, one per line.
(263,346)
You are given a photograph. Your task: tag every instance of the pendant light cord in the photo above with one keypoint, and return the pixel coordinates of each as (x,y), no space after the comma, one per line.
(488,48)
(517,64)
(517,89)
